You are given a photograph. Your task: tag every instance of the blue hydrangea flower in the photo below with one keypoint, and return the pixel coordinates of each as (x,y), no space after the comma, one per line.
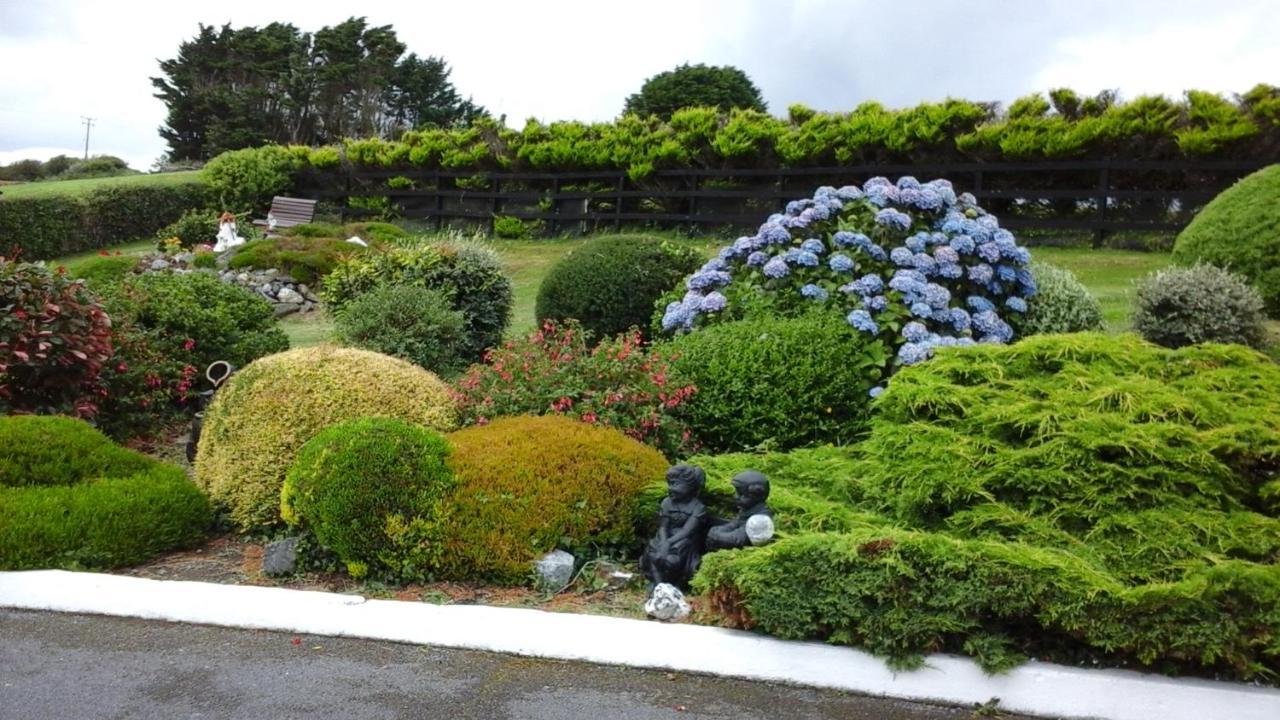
(989,252)
(807,259)
(1006,273)
(844,239)
(960,319)
(908,182)
(869,284)
(676,315)
(798,222)
(924,262)
(876,304)
(876,391)
(861,320)
(775,234)
(1016,304)
(921,309)
(849,193)
(882,196)
(915,331)
(795,207)
(979,304)
(757,259)
(813,292)
(876,252)
(1027,281)
(908,196)
(950,271)
(989,323)
(713,302)
(893,219)
(946,254)
(906,282)
(813,245)
(962,244)
(715,265)
(902,257)
(776,268)
(936,295)
(817,213)
(841,263)
(916,243)
(929,199)
(708,280)
(913,353)
(981,273)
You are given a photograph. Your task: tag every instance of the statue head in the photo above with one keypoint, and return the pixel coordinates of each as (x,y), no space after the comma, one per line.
(751,487)
(684,482)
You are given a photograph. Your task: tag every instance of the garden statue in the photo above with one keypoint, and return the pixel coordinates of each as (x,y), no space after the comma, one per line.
(227,237)
(754,523)
(673,555)
(217,374)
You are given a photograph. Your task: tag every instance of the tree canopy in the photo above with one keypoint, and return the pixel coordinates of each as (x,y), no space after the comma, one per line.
(724,87)
(231,88)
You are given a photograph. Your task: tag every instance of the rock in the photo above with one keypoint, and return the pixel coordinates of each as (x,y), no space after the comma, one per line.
(265,289)
(307,307)
(282,309)
(269,273)
(304,290)
(243,278)
(287,295)
(554,570)
(184,258)
(759,529)
(280,557)
(159,264)
(666,603)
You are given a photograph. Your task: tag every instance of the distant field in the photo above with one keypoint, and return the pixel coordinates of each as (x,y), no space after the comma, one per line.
(80,187)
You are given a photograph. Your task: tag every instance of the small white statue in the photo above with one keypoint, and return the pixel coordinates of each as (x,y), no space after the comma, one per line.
(227,237)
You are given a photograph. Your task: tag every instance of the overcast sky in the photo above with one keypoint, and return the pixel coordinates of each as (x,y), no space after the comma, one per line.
(62,59)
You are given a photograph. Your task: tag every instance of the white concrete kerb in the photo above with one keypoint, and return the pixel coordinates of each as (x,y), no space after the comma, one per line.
(1034,688)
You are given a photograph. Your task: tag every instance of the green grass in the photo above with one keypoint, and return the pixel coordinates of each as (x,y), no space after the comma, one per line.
(71,262)
(305,330)
(85,185)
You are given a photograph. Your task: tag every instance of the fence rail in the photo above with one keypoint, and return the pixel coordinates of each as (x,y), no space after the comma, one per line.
(1095,197)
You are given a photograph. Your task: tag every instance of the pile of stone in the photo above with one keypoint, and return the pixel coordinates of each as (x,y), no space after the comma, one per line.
(286,295)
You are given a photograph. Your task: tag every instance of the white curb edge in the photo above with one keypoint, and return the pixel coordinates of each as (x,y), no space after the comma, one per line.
(1035,688)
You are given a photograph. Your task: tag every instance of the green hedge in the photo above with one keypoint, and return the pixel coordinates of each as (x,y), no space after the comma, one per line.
(49,227)
(72,499)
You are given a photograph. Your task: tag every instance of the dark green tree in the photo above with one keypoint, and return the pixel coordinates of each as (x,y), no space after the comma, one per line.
(724,87)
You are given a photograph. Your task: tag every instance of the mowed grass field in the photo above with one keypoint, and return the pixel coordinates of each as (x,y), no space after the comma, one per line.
(82,186)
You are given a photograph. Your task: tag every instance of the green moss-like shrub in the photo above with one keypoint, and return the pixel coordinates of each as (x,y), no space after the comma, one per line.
(1069,497)
(369,232)
(360,485)
(510,228)
(267,411)
(1174,307)
(103,270)
(469,275)
(1062,304)
(70,498)
(408,322)
(780,382)
(529,484)
(1240,230)
(305,259)
(611,283)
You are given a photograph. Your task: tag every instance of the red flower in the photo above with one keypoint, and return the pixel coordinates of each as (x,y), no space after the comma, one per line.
(189,344)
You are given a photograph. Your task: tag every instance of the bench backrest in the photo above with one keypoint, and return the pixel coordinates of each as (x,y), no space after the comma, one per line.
(292,211)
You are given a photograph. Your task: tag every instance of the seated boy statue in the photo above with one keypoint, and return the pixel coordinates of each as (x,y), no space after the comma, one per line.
(751,490)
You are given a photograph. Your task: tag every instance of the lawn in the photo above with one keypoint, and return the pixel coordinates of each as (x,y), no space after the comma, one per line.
(1109,275)
(82,186)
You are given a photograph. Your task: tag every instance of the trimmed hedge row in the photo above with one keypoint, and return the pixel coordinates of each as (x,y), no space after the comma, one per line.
(49,227)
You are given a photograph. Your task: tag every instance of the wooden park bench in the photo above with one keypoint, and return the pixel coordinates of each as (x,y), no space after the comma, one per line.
(287,212)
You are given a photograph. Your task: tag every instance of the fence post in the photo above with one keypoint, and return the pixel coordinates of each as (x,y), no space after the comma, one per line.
(1104,188)
(553,224)
(439,203)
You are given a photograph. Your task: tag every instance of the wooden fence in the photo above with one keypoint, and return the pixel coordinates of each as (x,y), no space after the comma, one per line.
(1093,199)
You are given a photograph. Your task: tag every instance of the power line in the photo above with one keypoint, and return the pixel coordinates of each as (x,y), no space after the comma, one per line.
(88,123)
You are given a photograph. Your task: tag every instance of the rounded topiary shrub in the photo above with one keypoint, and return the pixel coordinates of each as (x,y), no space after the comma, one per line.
(469,275)
(362,486)
(71,498)
(408,322)
(267,411)
(611,283)
(1240,230)
(529,484)
(784,382)
(1062,304)
(1183,306)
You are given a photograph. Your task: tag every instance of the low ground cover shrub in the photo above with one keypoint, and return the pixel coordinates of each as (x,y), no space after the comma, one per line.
(72,499)
(370,231)
(468,274)
(1062,304)
(103,270)
(781,382)
(611,283)
(408,322)
(1203,303)
(305,259)
(55,340)
(363,487)
(910,264)
(619,383)
(1240,231)
(527,485)
(267,411)
(1071,497)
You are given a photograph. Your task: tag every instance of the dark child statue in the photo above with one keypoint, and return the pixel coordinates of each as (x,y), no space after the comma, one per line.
(674,554)
(751,491)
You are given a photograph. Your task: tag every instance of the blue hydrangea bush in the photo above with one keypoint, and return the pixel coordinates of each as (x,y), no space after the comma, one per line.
(913,264)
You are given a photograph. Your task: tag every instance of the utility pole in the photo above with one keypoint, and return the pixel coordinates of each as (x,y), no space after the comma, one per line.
(88,123)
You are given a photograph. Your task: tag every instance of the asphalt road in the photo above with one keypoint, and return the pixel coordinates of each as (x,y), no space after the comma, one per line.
(55,665)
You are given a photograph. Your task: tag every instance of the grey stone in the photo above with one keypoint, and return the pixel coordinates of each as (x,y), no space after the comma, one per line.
(159,264)
(554,570)
(269,273)
(184,258)
(302,288)
(287,295)
(666,603)
(282,309)
(243,278)
(280,557)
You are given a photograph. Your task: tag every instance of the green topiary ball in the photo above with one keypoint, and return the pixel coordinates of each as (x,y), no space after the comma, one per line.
(71,498)
(780,382)
(267,411)
(1175,307)
(1240,230)
(611,283)
(408,322)
(1061,304)
(364,485)
(529,484)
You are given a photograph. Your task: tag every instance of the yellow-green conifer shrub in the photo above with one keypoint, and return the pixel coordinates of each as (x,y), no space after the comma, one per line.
(527,484)
(268,410)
